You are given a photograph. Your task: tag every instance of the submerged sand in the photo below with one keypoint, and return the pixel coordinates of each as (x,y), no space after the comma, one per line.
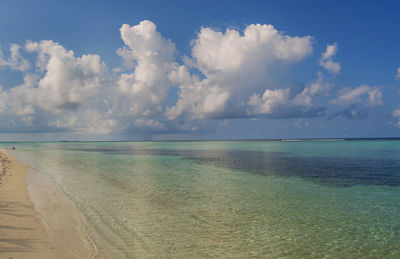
(21,233)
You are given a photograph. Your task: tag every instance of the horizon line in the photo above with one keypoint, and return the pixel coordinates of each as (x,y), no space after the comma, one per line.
(199,140)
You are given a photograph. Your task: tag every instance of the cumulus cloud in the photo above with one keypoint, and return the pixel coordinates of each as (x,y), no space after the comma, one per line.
(269,101)
(357,103)
(3,99)
(147,85)
(398,74)
(229,74)
(63,92)
(326,59)
(396,114)
(80,93)
(367,95)
(317,87)
(233,67)
(15,60)
(281,103)
(68,81)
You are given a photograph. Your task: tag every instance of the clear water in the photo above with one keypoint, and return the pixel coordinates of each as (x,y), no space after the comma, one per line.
(235,199)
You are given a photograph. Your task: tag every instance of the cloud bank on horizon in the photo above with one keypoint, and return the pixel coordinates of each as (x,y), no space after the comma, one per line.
(230,74)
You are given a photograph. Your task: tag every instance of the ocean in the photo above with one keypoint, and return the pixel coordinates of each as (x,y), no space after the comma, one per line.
(224,199)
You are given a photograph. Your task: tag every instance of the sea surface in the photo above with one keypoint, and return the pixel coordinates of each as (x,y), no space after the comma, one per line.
(229,199)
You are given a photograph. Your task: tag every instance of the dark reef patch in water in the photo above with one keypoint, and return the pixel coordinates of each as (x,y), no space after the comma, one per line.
(337,171)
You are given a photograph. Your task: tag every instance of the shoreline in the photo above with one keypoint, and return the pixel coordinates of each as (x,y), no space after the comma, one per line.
(64,225)
(36,220)
(21,233)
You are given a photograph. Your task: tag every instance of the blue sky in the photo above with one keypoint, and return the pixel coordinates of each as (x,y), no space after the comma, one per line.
(188,70)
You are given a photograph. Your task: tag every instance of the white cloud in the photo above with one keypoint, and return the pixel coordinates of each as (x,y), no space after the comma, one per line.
(20,98)
(69,81)
(236,66)
(148,84)
(88,121)
(199,100)
(64,93)
(15,61)
(229,74)
(263,44)
(269,101)
(398,74)
(281,101)
(396,114)
(3,100)
(81,94)
(317,87)
(367,95)
(326,59)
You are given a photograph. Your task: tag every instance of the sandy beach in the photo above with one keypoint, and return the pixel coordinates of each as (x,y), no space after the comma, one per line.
(21,233)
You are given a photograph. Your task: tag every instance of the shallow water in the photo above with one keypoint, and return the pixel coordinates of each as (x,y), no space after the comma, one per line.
(230,199)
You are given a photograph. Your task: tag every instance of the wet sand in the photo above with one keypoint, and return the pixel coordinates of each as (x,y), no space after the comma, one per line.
(21,232)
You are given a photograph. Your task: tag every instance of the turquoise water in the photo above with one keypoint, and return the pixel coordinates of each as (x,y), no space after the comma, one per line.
(232,199)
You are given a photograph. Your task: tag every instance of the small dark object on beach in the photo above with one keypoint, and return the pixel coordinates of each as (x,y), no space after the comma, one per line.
(13,148)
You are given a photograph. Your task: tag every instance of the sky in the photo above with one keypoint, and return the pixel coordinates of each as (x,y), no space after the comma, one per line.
(165,70)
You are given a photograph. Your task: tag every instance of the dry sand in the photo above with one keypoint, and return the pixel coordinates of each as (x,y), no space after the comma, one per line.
(21,233)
